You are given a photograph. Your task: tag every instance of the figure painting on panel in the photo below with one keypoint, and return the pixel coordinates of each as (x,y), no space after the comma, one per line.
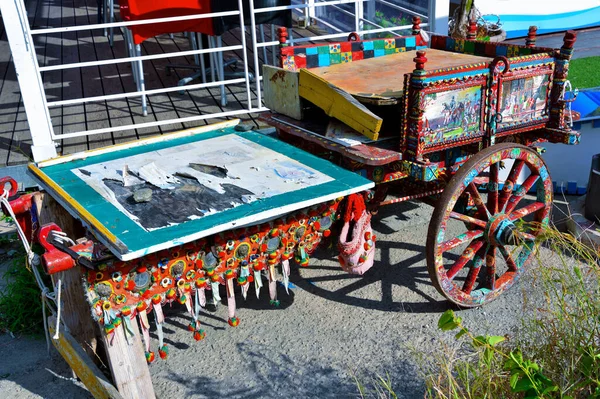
(523,100)
(452,114)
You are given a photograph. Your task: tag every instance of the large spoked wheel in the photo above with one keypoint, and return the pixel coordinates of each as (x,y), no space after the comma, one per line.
(474,253)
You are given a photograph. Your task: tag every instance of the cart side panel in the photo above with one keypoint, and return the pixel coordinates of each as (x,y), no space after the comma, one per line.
(446,108)
(523,94)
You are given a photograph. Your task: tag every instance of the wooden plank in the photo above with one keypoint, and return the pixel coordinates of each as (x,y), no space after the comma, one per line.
(281,91)
(76,312)
(339,104)
(383,77)
(127,362)
(81,364)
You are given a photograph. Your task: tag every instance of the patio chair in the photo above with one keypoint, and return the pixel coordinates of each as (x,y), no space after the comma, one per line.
(224,24)
(133,10)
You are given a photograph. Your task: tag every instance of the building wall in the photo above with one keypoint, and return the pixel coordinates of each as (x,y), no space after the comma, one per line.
(568,163)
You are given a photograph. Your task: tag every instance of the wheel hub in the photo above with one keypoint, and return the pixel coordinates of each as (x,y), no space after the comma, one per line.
(500,230)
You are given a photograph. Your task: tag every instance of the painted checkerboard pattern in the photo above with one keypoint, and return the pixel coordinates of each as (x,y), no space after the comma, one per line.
(480,48)
(294,58)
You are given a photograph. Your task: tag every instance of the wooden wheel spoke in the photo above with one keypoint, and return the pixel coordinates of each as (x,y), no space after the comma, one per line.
(520,193)
(494,249)
(482,210)
(466,256)
(474,272)
(526,236)
(492,203)
(490,268)
(468,219)
(461,239)
(510,182)
(510,262)
(526,210)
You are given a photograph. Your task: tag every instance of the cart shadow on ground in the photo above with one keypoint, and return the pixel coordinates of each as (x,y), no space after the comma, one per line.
(399,264)
(271,373)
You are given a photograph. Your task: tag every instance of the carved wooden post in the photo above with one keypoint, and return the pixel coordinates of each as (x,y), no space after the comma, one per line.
(282,35)
(562,58)
(531,36)
(126,361)
(75,310)
(472,31)
(416,28)
(414,147)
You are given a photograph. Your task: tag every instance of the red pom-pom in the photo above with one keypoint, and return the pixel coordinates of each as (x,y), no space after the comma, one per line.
(233,321)
(327,233)
(163,352)
(199,335)
(150,357)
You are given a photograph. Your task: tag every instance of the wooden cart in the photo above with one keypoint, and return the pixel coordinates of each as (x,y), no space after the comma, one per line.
(456,124)
(216,210)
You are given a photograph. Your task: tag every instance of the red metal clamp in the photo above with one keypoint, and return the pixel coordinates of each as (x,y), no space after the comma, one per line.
(13,185)
(54,261)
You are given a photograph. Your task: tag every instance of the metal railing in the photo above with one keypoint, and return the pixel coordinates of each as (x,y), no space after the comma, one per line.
(37,106)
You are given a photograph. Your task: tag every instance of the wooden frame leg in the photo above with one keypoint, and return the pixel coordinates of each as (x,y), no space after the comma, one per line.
(127,362)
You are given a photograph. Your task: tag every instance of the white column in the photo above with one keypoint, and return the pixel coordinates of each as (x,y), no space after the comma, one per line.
(438,16)
(24,58)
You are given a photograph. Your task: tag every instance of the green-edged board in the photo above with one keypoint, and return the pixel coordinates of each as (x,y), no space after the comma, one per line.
(202,181)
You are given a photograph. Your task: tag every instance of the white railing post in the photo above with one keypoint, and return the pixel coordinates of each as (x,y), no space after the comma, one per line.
(359,14)
(24,58)
(438,16)
(310,11)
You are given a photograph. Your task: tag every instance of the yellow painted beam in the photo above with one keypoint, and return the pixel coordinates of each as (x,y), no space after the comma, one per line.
(82,365)
(339,104)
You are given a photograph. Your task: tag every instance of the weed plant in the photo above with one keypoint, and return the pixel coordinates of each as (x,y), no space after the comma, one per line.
(20,301)
(556,353)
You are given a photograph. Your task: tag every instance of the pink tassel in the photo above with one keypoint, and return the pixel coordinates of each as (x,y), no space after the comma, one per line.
(285,266)
(145,329)
(202,296)
(273,286)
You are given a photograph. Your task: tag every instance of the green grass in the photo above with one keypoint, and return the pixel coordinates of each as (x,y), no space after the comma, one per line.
(583,72)
(20,302)
(554,355)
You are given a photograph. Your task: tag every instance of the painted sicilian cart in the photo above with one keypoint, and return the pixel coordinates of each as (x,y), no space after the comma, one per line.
(455,123)
(197,216)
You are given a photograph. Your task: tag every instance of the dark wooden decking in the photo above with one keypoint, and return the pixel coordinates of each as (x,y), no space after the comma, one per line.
(15,140)
(85,46)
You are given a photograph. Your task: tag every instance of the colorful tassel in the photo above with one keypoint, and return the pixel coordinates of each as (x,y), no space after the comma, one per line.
(285,268)
(230,275)
(163,351)
(150,357)
(272,284)
(257,271)
(143,318)
(199,335)
(214,286)
(160,319)
(233,321)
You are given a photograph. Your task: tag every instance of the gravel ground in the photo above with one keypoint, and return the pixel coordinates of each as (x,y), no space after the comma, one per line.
(330,329)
